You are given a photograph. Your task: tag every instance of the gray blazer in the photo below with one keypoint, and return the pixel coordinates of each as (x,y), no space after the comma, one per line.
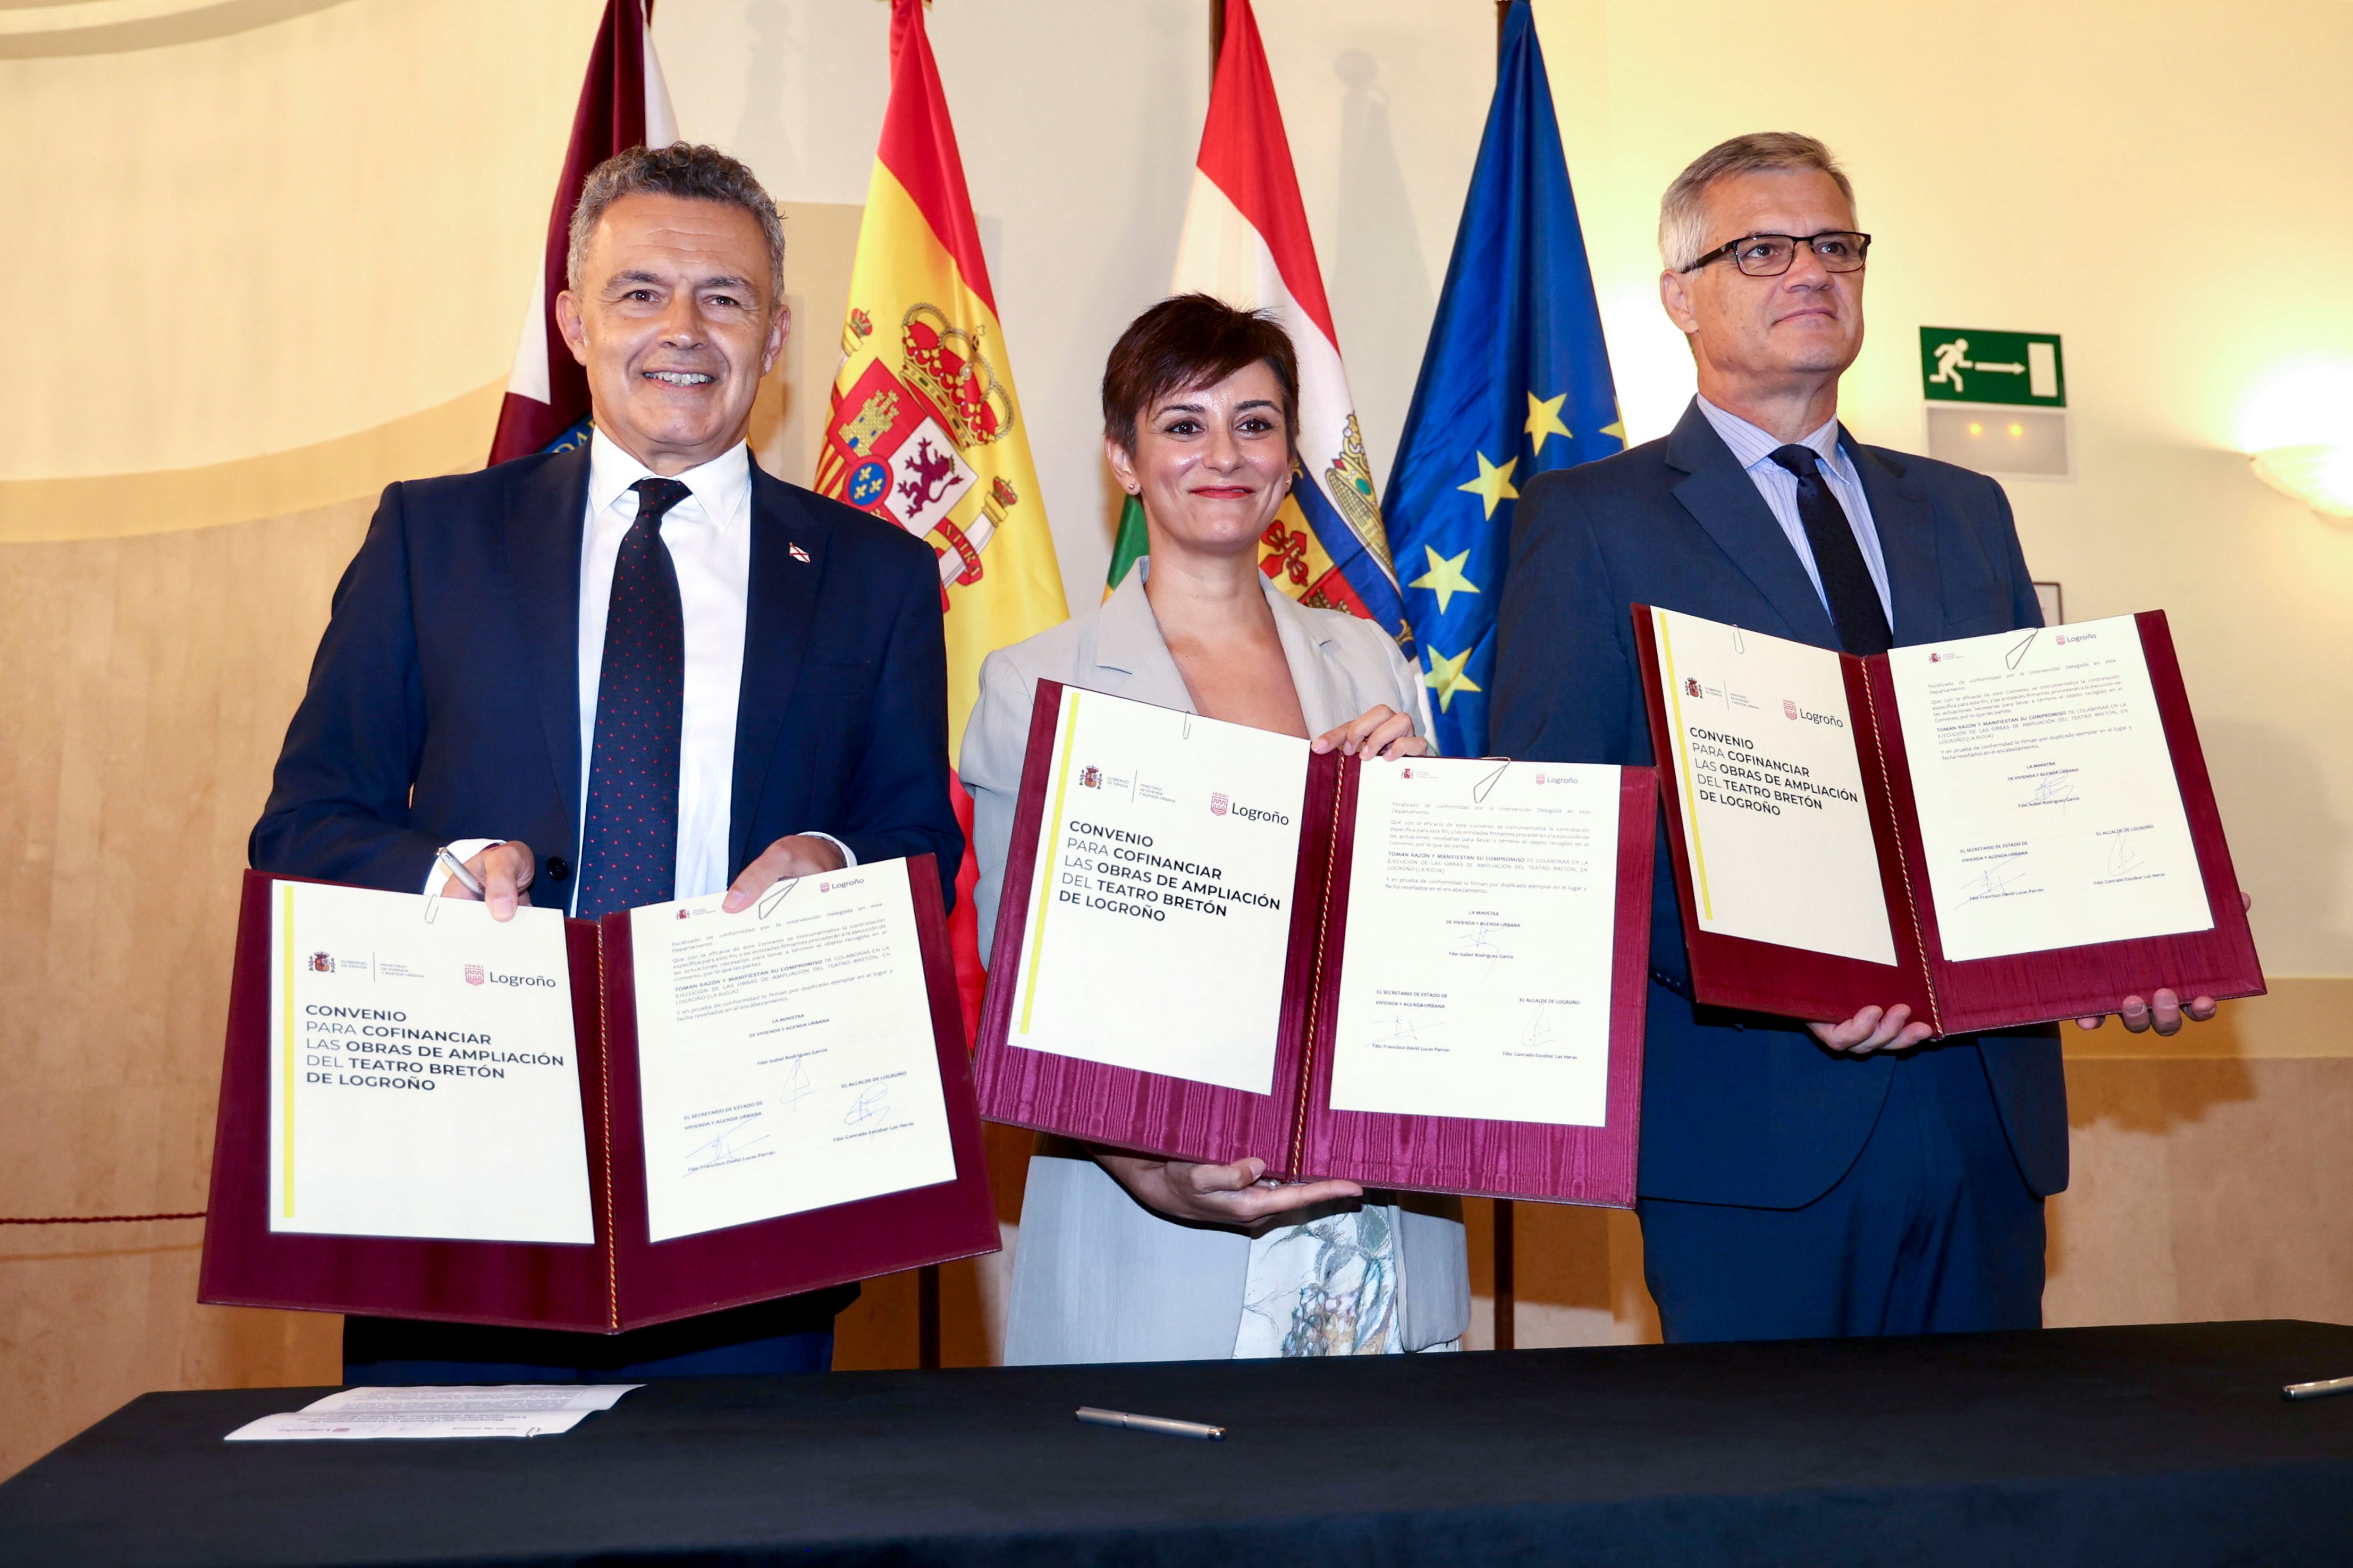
(1096,1275)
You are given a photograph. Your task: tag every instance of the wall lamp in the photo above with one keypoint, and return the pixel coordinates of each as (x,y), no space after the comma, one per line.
(2320,474)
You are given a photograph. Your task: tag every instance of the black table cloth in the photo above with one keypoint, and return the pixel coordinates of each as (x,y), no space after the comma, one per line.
(2145,1445)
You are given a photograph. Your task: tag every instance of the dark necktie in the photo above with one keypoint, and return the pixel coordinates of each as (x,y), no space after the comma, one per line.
(629,849)
(1855,609)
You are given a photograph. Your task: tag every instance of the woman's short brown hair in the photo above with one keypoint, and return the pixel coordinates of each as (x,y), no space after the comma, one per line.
(1192,340)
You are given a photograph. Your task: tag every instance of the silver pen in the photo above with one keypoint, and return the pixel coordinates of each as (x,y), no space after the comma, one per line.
(456,868)
(1160,1423)
(2319,1390)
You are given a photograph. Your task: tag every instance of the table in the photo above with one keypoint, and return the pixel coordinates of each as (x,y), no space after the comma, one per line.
(2149,1446)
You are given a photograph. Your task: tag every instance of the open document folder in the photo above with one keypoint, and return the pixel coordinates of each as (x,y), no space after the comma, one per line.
(1425,974)
(1995,830)
(590,1125)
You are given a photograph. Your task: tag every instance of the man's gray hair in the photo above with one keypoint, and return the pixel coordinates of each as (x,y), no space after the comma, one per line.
(1683,212)
(681,169)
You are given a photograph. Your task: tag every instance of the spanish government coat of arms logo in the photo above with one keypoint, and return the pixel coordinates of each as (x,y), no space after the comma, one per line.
(897,448)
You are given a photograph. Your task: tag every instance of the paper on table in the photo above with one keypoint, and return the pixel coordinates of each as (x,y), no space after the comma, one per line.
(1482,918)
(2049,810)
(1773,804)
(424,1079)
(785,1052)
(1166,858)
(503,1410)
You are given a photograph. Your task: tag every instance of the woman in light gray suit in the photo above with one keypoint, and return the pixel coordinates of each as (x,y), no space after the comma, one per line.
(1122,1256)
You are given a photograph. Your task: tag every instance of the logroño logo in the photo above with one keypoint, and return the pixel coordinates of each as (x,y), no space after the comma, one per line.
(474,975)
(1789,708)
(1218,804)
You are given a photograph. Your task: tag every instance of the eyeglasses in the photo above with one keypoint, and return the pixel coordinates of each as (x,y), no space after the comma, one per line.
(1769,254)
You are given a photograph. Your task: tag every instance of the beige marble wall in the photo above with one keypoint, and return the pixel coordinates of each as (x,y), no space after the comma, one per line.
(144,688)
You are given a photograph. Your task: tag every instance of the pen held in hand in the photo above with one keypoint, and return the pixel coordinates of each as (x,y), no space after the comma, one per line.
(1160,1423)
(457,870)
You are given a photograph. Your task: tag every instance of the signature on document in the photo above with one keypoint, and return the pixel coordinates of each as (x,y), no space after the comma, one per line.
(873,1101)
(2123,859)
(1403,1034)
(737,1142)
(2051,789)
(1998,878)
(798,1087)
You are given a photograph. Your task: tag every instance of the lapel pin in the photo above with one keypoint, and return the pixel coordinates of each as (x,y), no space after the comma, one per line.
(798,554)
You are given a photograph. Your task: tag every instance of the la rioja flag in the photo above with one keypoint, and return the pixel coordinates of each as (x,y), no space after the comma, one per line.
(1246,241)
(926,430)
(623,104)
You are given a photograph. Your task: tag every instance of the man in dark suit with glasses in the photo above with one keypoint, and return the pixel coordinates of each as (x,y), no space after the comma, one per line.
(1817,1179)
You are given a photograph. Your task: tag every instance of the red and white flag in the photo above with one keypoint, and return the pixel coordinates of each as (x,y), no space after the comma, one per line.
(1246,241)
(623,104)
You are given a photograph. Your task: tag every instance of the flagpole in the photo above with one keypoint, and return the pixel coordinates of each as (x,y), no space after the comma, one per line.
(1506,1281)
(1506,1303)
(1216,37)
(927,1317)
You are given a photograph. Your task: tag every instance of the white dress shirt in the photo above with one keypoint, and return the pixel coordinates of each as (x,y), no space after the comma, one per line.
(710,538)
(1753,448)
(709,535)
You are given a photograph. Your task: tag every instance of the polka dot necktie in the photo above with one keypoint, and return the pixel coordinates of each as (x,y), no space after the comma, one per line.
(628,852)
(1854,604)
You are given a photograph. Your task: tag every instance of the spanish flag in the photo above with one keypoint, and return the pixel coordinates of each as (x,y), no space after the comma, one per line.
(926,430)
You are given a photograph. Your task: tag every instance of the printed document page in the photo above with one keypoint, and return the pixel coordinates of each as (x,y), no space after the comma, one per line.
(786,1056)
(496,1410)
(424,1079)
(2048,806)
(1166,864)
(1772,794)
(1483,900)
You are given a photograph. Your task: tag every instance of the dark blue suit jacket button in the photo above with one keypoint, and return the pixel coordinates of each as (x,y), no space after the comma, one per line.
(558,868)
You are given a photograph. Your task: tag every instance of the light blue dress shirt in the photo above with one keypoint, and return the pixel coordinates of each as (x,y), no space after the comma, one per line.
(1753,448)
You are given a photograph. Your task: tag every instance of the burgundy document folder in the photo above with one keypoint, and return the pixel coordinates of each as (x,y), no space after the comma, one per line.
(623,1281)
(1982,994)
(1295,1130)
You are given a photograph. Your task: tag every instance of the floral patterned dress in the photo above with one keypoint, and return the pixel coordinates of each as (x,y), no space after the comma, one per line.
(1328,1287)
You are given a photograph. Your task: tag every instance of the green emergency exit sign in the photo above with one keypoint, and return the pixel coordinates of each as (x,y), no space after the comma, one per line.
(1969,364)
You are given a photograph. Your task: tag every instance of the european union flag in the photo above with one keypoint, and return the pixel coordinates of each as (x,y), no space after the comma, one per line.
(1516,381)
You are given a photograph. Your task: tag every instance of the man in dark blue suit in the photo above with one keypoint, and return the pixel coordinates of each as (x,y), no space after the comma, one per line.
(1829,1179)
(636,671)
